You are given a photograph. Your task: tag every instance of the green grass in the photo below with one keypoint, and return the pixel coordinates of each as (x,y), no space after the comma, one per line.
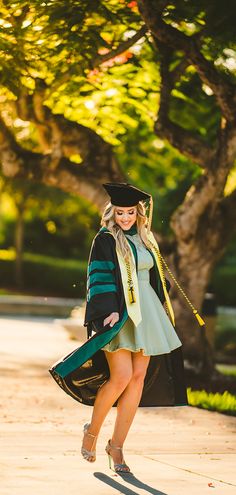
(49,260)
(223,403)
(9,254)
(227,369)
(8,292)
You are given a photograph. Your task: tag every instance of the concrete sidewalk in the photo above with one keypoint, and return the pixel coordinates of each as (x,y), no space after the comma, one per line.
(172,451)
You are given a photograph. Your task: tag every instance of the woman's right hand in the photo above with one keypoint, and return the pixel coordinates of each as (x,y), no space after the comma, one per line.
(112,319)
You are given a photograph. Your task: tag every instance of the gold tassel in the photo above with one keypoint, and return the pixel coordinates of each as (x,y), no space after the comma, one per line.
(199,318)
(162,260)
(132,298)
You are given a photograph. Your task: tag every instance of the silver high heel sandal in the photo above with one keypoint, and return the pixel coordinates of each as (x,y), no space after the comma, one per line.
(88,455)
(118,468)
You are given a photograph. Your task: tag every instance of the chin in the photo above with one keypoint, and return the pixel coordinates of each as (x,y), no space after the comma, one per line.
(125,227)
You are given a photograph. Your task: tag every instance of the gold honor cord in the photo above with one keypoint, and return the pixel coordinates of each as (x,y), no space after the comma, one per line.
(132,298)
(162,261)
(131,293)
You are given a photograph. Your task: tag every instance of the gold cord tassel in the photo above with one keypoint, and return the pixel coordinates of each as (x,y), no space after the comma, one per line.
(162,260)
(195,312)
(199,318)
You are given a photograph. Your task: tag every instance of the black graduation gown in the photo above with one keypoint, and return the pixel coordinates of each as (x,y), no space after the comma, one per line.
(84,370)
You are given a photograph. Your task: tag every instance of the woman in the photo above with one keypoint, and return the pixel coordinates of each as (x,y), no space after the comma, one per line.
(133,334)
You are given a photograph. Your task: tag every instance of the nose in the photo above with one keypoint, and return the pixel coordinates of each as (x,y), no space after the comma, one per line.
(125,215)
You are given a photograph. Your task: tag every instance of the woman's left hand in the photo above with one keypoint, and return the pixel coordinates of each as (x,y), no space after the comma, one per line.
(112,319)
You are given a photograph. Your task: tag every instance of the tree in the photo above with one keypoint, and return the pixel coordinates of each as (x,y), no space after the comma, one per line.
(57,50)
(194,43)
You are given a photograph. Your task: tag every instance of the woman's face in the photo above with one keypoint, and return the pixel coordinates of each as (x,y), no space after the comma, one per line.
(125,216)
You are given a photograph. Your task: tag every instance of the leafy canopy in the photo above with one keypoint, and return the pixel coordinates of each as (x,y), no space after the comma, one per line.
(53,46)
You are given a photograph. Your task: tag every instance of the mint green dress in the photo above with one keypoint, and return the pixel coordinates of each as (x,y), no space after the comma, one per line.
(154,334)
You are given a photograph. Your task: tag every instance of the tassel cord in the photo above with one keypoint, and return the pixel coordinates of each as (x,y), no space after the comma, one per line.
(163,262)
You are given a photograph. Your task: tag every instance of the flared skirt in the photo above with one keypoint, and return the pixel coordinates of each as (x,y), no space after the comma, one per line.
(155,333)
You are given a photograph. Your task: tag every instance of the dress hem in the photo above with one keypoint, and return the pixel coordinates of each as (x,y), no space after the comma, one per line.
(141,349)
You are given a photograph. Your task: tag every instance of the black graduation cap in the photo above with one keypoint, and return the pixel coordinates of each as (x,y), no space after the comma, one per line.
(124,194)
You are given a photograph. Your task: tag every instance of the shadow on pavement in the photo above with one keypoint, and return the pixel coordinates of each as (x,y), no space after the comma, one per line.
(129,478)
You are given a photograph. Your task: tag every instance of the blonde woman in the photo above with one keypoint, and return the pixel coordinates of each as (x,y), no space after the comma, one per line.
(133,354)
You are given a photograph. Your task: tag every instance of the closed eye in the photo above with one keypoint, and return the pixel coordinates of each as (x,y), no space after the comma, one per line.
(121,212)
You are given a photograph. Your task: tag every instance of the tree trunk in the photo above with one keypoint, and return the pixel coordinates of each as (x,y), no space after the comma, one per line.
(19,245)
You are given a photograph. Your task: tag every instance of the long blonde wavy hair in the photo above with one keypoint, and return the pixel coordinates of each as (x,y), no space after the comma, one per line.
(108,221)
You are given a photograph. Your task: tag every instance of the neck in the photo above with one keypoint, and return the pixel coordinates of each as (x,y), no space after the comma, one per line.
(132,230)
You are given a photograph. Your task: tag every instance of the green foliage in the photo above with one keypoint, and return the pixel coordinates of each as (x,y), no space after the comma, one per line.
(114,100)
(43,40)
(45,275)
(56,223)
(198,110)
(53,45)
(223,403)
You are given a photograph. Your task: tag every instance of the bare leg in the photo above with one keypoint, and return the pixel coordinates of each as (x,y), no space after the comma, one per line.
(120,366)
(128,402)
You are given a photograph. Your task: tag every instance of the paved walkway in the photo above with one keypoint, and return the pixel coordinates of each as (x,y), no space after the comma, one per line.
(172,451)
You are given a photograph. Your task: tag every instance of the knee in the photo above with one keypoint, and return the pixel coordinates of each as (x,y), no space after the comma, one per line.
(121,378)
(138,375)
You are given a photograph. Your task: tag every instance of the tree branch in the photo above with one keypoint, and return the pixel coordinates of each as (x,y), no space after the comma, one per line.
(188,143)
(100,59)
(98,165)
(204,205)
(185,141)
(224,91)
(61,137)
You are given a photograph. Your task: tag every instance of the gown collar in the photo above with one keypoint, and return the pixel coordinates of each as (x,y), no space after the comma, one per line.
(131,231)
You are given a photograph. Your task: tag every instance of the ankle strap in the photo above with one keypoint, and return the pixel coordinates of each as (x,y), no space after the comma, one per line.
(90,434)
(87,432)
(114,447)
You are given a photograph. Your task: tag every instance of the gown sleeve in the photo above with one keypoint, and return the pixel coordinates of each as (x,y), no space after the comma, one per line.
(102,291)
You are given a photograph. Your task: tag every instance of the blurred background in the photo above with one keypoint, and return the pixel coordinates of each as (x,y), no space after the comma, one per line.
(91,93)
